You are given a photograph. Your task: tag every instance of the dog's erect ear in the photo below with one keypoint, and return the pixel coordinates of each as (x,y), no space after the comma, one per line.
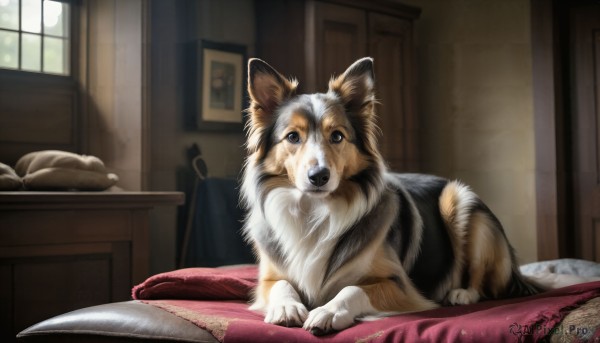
(355,86)
(267,88)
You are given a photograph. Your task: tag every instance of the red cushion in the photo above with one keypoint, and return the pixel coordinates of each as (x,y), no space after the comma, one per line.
(229,283)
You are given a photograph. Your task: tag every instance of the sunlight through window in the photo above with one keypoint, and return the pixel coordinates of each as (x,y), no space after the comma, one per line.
(34,36)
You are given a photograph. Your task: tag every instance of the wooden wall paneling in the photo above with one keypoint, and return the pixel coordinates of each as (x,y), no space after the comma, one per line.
(547,105)
(6,302)
(585,113)
(596,197)
(41,116)
(146,96)
(596,239)
(36,112)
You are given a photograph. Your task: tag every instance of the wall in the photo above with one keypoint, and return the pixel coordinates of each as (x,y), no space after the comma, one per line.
(475,103)
(175,25)
(113,107)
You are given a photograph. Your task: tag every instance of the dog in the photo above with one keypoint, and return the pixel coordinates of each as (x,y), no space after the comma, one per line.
(339,237)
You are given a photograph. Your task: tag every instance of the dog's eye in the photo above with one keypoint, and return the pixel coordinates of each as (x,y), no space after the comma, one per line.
(337,137)
(293,137)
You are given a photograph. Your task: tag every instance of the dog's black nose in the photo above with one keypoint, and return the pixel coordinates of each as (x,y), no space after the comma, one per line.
(318,176)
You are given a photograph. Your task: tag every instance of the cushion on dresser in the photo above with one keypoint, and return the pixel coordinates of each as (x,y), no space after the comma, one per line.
(63,170)
(129,321)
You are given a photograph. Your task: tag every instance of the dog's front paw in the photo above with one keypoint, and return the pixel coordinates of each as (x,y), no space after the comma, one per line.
(288,313)
(323,320)
(461,296)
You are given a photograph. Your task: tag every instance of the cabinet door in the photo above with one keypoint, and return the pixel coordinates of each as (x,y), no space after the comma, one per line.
(390,44)
(336,38)
(58,260)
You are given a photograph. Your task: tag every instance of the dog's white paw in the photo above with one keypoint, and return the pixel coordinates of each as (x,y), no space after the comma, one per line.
(288,313)
(461,296)
(323,320)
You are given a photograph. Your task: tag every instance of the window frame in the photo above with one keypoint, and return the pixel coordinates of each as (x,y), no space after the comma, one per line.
(40,77)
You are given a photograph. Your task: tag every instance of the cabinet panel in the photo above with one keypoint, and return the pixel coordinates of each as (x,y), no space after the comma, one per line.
(59,285)
(340,39)
(390,44)
(42,283)
(281,36)
(6,304)
(68,226)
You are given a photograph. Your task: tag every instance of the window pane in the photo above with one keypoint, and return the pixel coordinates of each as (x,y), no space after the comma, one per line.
(56,58)
(56,15)
(9,14)
(9,49)
(31,15)
(31,50)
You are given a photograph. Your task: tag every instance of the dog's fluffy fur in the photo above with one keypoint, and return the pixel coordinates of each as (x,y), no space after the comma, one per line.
(337,235)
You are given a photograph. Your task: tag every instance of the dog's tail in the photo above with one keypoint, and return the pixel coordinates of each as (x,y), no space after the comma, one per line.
(522,285)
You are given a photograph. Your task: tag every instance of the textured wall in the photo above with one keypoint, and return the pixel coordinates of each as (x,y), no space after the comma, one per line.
(476,108)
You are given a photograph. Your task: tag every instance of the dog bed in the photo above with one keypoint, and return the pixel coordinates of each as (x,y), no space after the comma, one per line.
(215,301)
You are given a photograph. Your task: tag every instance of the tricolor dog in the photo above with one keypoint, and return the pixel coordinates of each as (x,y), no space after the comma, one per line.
(338,236)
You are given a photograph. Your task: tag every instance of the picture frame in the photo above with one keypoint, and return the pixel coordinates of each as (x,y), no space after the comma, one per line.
(220,87)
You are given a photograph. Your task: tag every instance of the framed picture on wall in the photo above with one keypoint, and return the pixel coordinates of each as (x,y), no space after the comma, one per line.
(220,86)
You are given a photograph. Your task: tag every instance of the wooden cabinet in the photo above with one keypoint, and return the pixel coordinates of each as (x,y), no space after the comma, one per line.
(336,38)
(314,40)
(60,251)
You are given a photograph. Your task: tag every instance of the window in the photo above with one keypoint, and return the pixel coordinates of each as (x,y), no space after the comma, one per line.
(34,36)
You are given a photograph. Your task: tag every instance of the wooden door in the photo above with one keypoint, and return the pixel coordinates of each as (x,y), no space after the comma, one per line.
(585,109)
(390,44)
(336,38)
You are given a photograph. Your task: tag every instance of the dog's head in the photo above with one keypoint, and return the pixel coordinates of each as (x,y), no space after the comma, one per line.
(315,142)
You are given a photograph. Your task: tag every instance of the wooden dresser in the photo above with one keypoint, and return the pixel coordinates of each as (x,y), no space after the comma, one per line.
(61,251)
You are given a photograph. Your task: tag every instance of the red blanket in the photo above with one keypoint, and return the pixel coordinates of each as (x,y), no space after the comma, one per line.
(216,300)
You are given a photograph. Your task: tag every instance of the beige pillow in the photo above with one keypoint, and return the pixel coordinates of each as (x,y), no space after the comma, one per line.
(61,170)
(9,180)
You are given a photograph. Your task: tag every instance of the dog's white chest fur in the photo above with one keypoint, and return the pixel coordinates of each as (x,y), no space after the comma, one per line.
(307,229)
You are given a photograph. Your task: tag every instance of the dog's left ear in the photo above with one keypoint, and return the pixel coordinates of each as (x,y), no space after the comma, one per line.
(267,88)
(356,85)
